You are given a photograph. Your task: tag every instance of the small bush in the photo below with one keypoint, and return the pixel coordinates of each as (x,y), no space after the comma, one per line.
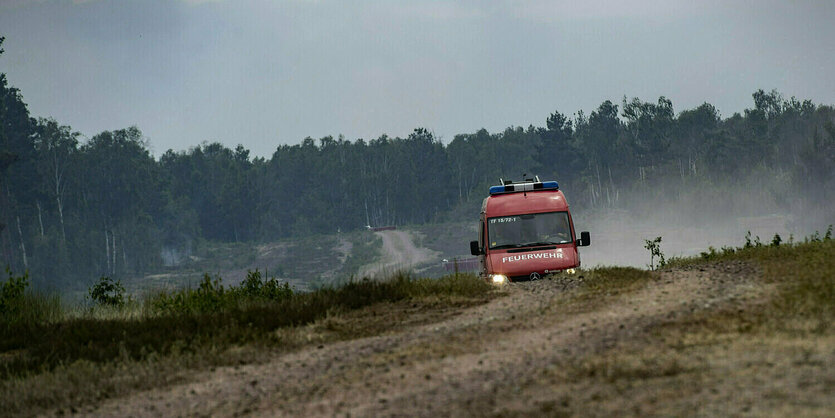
(12,293)
(256,288)
(108,292)
(20,307)
(710,254)
(209,297)
(212,297)
(752,243)
(727,250)
(654,247)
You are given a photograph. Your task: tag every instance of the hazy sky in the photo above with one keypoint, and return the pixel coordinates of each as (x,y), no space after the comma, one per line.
(264,73)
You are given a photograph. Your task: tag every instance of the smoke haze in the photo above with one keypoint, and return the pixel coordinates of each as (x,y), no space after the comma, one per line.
(692,220)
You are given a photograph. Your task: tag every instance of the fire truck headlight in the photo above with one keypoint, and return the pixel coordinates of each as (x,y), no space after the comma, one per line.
(570,271)
(498,278)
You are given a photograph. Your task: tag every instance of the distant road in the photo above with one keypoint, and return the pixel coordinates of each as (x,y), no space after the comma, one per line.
(399,253)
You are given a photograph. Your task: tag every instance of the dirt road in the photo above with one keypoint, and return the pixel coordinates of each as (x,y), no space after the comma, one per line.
(523,353)
(399,253)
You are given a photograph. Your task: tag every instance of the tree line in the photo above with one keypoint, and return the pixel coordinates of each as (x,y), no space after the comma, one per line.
(72,210)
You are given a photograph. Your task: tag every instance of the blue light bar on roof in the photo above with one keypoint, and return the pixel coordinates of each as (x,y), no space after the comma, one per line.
(524,187)
(496,189)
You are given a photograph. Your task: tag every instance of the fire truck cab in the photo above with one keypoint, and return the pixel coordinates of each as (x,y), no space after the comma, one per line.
(526,232)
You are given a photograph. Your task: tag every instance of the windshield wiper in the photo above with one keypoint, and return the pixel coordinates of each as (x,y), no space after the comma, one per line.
(529,244)
(503,246)
(536,244)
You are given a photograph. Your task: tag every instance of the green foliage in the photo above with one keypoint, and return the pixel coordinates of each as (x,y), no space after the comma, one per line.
(212,297)
(107,292)
(804,274)
(810,292)
(749,243)
(192,320)
(710,254)
(20,307)
(270,289)
(816,237)
(12,293)
(209,297)
(654,247)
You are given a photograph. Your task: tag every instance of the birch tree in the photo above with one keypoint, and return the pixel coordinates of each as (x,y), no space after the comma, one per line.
(56,146)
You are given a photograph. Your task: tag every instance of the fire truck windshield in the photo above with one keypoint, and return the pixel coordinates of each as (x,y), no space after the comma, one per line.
(528,230)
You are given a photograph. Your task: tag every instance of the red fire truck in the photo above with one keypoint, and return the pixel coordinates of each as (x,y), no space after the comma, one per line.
(526,232)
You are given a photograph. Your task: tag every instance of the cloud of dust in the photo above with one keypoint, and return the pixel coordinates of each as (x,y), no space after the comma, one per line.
(690,220)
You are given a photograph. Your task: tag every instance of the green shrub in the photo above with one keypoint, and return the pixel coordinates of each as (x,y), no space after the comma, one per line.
(211,317)
(20,307)
(749,243)
(12,293)
(212,297)
(108,292)
(256,288)
(209,297)
(654,247)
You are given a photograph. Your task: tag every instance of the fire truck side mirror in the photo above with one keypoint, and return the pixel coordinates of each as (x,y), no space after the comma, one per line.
(585,239)
(474,248)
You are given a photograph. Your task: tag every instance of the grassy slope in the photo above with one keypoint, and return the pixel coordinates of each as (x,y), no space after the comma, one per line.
(66,359)
(783,342)
(771,357)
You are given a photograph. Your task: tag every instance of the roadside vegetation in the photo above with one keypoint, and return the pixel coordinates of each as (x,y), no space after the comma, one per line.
(54,355)
(803,274)
(601,282)
(717,360)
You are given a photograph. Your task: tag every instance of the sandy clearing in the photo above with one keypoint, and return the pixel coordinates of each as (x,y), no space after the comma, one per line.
(465,365)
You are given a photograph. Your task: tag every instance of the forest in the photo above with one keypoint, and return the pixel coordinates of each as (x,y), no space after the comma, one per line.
(74,209)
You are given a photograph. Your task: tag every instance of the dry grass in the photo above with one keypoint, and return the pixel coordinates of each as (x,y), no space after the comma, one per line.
(83,360)
(592,289)
(607,281)
(771,355)
(774,356)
